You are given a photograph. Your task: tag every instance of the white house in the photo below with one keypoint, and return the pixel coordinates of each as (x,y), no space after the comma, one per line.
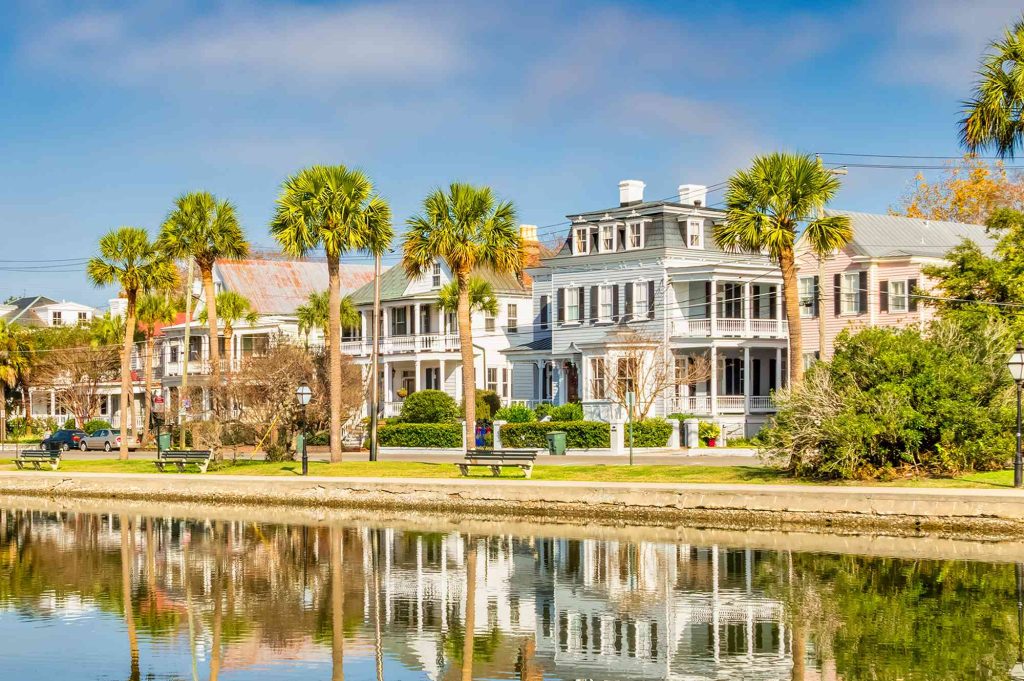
(651,270)
(39,311)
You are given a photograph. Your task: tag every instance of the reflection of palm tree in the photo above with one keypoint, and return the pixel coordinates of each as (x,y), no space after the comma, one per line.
(126,594)
(529,670)
(467,641)
(337,607)
(218,616)
(378,647)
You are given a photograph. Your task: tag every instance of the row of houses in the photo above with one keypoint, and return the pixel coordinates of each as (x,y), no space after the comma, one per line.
(647,270)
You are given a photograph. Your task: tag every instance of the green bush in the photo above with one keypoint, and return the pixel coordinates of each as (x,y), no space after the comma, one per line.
(279,452)
(440,435)
(515,413)
(707,431)
(233,434)
(20,426)
(573,411)
(319,439)
(542,410)
(681,417)
(430,406)
(487,403)
(578,434)
(93,425)
(70,424)
(650,433)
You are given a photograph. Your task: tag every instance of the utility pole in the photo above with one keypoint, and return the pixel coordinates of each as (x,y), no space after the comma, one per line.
(183,391)
(822,335)
(375,359)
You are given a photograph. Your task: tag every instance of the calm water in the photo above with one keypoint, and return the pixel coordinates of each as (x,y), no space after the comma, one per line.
(86,596)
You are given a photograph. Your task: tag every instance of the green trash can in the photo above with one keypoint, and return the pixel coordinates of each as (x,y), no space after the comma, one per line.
(163,442)
(556,443)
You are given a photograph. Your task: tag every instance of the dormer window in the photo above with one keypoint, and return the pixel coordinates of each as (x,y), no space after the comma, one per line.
(695,234)
(607,238)
(634,235)
(580,241)
(435,275)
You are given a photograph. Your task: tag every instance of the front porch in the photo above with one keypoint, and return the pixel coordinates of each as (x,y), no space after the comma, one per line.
(399,379)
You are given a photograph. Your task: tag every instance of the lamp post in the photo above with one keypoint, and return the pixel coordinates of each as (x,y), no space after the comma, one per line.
(1016,366)
(302,396)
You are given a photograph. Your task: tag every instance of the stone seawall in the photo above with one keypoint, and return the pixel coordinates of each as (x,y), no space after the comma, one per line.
(968,513)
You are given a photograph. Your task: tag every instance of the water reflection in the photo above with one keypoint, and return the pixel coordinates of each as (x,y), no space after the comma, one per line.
(100,596)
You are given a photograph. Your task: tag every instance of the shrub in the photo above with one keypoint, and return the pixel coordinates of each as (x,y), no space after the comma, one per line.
(487,403)
(233,434)
(318,439)
(542,410)
(578,434)
(681,417)
(650,433)
(515,413)
(573,411)
(707,431)
(70,424)
(442,435)
(278,452)
(429,406)
(20,426)
(93,425)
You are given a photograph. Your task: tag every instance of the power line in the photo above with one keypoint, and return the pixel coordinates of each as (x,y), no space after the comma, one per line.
(907,156)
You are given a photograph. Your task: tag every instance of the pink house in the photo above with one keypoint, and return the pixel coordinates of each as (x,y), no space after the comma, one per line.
(872,280)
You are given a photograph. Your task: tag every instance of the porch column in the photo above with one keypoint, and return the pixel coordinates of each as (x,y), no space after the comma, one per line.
(110,410)
(441,377)
(387,382)
(458,382)
(53,404)
(748,306)
(778,368)
(713,304)
(747,382)
(385,317)
(779,304)
(419,370)
(417,332)
(362,326)
(714,381)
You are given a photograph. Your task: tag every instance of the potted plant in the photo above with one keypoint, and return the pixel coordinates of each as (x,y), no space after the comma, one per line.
(402,393)
(708,432)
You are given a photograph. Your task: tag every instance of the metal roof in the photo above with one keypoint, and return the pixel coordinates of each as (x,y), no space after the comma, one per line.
(887,236)
(280,286)
(394,282)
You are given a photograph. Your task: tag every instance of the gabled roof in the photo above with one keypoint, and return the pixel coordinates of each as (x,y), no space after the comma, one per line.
(23,311)
(394,282)
(280,286)
(888,236)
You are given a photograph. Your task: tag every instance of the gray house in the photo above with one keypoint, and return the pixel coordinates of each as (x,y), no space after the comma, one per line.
(645,279)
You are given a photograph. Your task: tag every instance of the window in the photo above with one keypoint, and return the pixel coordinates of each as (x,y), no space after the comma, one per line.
(399,321)
(607,238)
(545,311)
(626,375)
(640,301)
(572,304)
(849,293)
(505,383)
(57,318)
(425,325)
(635,235)
(488,320)
(605,312)
(255,346)
(598,378)
(898,299)
(195,348)
(433,376)
(809,359)
(806,292)
(83,317)
(452,322)
(730,297)
(174,354)
(435,275)
(580,242)
(512,325)
(695,233)
(492,379)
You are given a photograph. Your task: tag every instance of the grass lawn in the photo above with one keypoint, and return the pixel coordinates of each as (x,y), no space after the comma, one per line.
(617,473)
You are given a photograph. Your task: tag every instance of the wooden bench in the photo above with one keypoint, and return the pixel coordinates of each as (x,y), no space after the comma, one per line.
(495,459)
(37,457)
(179,458)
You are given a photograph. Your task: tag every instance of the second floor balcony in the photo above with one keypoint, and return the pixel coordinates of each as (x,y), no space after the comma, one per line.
(390,345)
(726,327)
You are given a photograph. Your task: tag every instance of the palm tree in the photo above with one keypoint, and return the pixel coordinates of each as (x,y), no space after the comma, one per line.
(126,594)
(128,258)
(315,314)
(206,230)
(468,229)
(481,297)
(334,208)
(992,117)
(153,309)
(16,359)
(232,307)
(765,207)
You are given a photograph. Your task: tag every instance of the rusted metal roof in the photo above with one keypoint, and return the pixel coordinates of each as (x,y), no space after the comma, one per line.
(280,286)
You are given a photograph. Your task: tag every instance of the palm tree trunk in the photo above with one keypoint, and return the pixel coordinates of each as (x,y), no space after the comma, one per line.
(467,641)
(337,608)
(789,292)
(148,399)
(218,616)
(126,594)
(126,374)
(468,368)
(334,353)
(206,272)
(799,650)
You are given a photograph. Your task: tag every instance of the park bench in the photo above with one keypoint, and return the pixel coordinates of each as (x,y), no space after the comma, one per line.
(179,458)
(495,459)
(37,457)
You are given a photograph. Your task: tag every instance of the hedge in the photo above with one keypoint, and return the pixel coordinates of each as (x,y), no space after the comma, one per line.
(650,433)
(578,434)
(439,435)
(430,406)
(93,425)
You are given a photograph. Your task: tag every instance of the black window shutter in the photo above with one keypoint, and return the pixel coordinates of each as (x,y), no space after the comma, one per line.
(543,310)
(883,296)
(582,303)
(615,303)
(862,293)
(561,305)
(911,286)
(593,304)
(650,300)
(412,319)
(707,300)
(629,303)
(837,293)
(817,294)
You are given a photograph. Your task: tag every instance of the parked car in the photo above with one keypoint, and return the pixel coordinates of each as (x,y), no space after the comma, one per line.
(104,439)
(64,439)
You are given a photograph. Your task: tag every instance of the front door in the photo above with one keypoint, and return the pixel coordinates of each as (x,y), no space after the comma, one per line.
(572,381)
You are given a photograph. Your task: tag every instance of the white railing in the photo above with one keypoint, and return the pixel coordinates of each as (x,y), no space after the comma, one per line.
(697,404)
(691,327)
(392,409)
(603,410)
(745,328)
(726,404)
(762,403)
(401,344)
(732,404)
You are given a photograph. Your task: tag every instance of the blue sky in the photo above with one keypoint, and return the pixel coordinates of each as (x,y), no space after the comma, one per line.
(111,110)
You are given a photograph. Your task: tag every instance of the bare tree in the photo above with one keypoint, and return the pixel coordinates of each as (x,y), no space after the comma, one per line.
(74,367)
(646,367)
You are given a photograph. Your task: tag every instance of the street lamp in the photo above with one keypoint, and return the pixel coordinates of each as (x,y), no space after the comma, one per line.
(1016,366)
(302,395)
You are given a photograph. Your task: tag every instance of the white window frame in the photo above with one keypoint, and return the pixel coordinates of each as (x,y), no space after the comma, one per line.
(607,240)
(607,304)
(637,225)
(695,228)
(492,379)
(83,317)
(505,382)
(849,294)
(899,303)
(56,318)
(640,302)
(572,305)
(490,321)
(435,275)
(512,318)
(806,297)
(599,378)
(581,240)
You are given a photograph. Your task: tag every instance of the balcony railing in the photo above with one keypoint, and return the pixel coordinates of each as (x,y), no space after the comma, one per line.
(390,345)
(726,327)
(727,404)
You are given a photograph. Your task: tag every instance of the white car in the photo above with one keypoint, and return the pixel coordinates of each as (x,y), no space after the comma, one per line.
(104,439)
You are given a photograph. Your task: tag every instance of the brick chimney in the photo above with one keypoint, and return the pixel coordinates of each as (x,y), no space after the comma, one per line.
(531,250)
